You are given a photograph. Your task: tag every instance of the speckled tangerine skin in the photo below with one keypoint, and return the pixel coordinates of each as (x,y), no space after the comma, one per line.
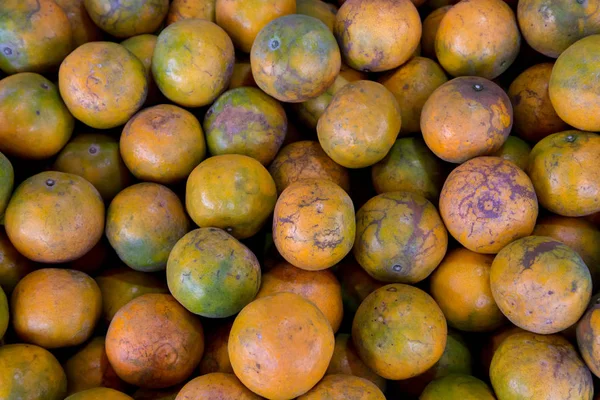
(559,167)
(188,9)
(13,265)
(344,387)
(360,125)
(143,223)
(488,202)
(465,118)
(216,354)
(55,308)
(37,124)
(280,346)
(400,237)
(99,393)
(534,115)
(103,84)
(54,217)
(461,287)
(216,385)
(313,224)
(431,23)
(126,18)
(377,35)
(527,365)
(540,284)
(515,150)
(294,70)
(232,192)
(38,373)
(154,342)
(7,181)
(319,9)
(308,112)
(457,387)
(399,331)
(193,62)
(83,28)
(35,34)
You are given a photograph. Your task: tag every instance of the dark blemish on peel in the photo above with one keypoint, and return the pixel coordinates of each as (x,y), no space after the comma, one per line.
(93,149)
(7,51)
(550,292)
(477,87)
(37,112)
(570,138)
(45,86)
(274,44)
(50,182)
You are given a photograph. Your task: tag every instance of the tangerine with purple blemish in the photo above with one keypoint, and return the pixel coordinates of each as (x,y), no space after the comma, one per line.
(127,18)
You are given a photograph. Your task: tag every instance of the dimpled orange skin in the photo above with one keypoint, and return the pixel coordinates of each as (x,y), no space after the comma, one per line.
(13,265)
(96,158)
(216,355)
(142,46)
(126,18)
(399,331)
(232,192)
(295,58)
(515,150)
(343,387)
(54,217)
(313,224)
(320,287)
(478,37)
(89,368)
(280,346)
(466,117)
(102,84)
(412,84)
(461,287)
(540,284)
(188,9)
(377,35)
(306,160)
(431,23)
(573,88)
(154,342)
(242,76)
(83,28)
(143,223)
(55,308)
(488,202)
(37,124)
(35,36)
(318,9)
(216,385)
(162,144)
(531,366)
(360,125)
(400,237)
(193,62)
(534,115)
(559,167)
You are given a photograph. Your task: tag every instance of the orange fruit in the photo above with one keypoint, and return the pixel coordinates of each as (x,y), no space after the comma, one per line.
(216,355)
(82,27)
(193,62)
(280,346)
(494,340)
(96,158)
(313,224)
(232,192)
(308,112)
(559,167)
(189,9)
(123,19)
(318,9)
(143,223)
(587,337)
(103,84)
(142,46)
(4,314)
(488,202)
(290,69)
(92,261)
(377,35)
(540,284)
(465,118)
(7,181)
(54,308)
(360,124)
(478,37)
(352,75)
(431,24)
(54,217)
(37,124)
(99,393)
(457,387)
(216,385)
(242,75)
(13,265)
(515,150)
(154,342)
(343,387)
(356,283)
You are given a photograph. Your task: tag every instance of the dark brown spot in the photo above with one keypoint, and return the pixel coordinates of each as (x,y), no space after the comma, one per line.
(50,182)
(37,112)
(274,44)
(7,51)
(532,253)
(477,87)
(93,149)
(45,86)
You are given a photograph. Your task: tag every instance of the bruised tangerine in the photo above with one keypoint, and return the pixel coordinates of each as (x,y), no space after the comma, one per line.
(126,18)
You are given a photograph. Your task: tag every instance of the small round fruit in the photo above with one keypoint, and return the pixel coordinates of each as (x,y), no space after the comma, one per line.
(245,121)
(488,202)
(13,265)
(37,124)
(186,9)
(295,58)
(99,393)
(142,46)
(461,287)
(7,181)
(515,150)
(540,284)
(83,28)
(308,112)
(457,387)
(233,192)
(313,224)
(318,9)
(494,340)
(162,144)
(54,217)
(360,124)
(216,355)
(4,314)
(103,84)
(356,283)
(344,387)
(527,365)
(478,37)
(216,385)
(400,237)
(29,372)
(154,342)
(280,346)
(242,75)
(588,331)
(193,62)
(352,75)
(431,24)
(126,18)
(377,35)
(399,331)
(212,274)
(55,308)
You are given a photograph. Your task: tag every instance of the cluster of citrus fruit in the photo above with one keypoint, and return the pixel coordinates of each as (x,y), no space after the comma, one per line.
(293,199)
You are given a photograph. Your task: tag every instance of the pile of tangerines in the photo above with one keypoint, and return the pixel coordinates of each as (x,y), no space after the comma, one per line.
(294,199)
